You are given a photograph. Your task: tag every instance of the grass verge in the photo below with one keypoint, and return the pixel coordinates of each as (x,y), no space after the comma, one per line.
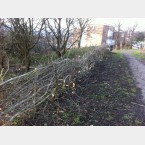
(139,55)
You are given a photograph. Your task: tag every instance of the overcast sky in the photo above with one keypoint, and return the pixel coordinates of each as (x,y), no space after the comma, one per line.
(125,22)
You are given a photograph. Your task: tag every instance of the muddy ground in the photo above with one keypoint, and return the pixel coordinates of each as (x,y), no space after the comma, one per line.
(106,96)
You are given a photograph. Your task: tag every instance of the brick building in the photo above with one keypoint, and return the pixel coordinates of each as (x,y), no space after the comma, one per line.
(97,35)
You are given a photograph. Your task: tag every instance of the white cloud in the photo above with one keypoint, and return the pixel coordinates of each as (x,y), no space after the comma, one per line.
(125,22)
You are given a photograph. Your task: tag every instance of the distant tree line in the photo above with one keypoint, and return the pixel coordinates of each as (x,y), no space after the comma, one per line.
(126,38)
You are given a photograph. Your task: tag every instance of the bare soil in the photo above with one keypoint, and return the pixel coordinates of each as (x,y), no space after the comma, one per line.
(106,96)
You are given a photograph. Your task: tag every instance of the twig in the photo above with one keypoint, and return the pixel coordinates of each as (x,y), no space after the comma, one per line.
(137,104)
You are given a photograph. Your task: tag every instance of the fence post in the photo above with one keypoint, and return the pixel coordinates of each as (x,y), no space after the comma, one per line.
(56,81)
(35,90)
(1,94)
(1,80)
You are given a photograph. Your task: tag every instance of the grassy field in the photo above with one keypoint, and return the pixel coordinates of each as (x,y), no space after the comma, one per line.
(139,55)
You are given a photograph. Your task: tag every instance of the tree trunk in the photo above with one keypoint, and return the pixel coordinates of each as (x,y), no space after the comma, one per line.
(130,46)
(63,51)
(27,63)
(118,46)
(79,42)
(58,54)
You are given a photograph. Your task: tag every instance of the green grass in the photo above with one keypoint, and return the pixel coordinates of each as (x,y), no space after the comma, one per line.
(118,54)
(139,55)
(38,59)
(70,54)
(14,60)
(75,117)
(43,59)
(76,52)
(97,97)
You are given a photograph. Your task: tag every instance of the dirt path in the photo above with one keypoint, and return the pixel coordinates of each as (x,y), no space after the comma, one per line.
(138,70)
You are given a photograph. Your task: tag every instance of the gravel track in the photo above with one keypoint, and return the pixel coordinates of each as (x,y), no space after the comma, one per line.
(138,70)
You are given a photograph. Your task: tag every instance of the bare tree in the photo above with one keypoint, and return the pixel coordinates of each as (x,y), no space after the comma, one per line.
(82,23)
(131,34)
(139,36)
(2,34)
(25,34)
(4,63)
(118,35)
(58,33)
(124,42)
